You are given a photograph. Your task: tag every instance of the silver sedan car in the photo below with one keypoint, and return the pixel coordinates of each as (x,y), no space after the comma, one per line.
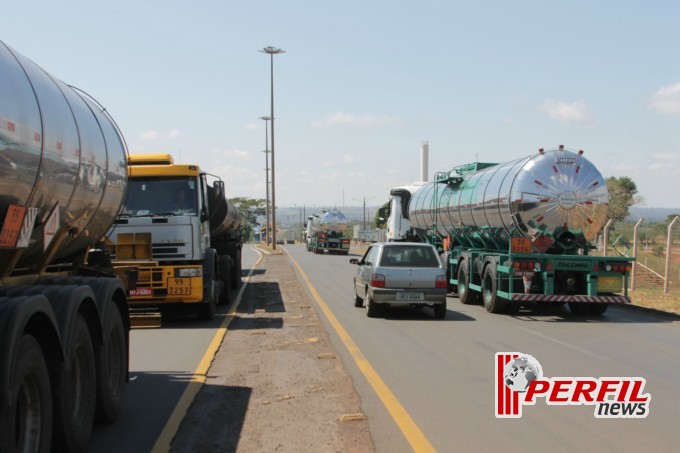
(400,273)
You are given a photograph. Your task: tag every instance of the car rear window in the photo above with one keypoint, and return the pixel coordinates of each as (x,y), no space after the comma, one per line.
(409,256)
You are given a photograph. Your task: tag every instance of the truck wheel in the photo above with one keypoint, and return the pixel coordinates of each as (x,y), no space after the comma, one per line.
(236,272)
(26,425)
(225,294)
(579,309)
(75,396)
(208,307)
(465,296)
(111,362)
(440,311)
(598,309)
(492,302)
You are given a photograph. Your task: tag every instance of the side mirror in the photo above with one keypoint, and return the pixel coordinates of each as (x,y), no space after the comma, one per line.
(354,261)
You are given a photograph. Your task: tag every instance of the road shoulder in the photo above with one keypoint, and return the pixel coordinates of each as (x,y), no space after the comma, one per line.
(276,384)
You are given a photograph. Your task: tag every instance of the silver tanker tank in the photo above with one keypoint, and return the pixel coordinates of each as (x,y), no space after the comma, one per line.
(58,148)
(333,221)
(557,193)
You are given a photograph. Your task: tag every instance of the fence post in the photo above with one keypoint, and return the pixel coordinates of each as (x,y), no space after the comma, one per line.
(669,250)
(635,245)
(606,236)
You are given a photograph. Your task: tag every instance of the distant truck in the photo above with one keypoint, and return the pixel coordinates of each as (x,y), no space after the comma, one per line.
(517,232)
(326,233)
(182,233)
(63,311)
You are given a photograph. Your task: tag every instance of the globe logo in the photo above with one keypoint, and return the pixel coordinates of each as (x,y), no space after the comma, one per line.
(521,371)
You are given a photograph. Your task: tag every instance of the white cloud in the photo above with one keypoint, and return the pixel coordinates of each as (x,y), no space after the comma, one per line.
(667,156)
(347,119)
(666,99)
(238,154)
(348,159)
(250,126)
(149,135)
(564,112)
(153,135)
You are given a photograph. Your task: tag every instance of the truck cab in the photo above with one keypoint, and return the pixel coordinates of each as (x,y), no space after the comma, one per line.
(165,228)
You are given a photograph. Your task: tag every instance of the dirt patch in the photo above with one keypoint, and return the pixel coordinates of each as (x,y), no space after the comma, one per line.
(276,384)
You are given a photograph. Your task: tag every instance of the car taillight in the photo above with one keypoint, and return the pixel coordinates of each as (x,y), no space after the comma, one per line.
(378,280)
(440,282)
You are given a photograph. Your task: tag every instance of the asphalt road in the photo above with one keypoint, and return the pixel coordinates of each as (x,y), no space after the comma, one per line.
(161,363)
(442,371)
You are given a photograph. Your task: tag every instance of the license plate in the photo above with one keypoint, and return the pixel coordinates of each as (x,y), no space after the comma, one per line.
(141,292)
(179,286)
(410,296)
(524,273)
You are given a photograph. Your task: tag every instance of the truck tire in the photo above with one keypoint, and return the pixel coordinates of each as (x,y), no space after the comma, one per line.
(598,309)
(208,308)
(225,294)
(76,391)
(111,360)
(492,302)
(465,296)
(236,272)
(26,425)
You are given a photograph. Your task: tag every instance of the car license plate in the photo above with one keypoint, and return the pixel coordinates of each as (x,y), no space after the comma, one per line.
(179,286)
(410,296)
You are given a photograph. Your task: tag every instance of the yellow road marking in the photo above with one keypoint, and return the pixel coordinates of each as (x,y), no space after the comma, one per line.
(164,440)
(408,427)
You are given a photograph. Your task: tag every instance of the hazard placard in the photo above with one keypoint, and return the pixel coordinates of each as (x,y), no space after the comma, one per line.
(520,245)
(542,242)
(11,227)
(51,226)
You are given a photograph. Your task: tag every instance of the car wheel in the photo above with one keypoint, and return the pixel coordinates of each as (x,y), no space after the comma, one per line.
(579,309)
(492,302)
(371,308)
(440,311)
(358,301)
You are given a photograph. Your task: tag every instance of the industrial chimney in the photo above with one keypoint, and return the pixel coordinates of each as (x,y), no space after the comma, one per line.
(424,157)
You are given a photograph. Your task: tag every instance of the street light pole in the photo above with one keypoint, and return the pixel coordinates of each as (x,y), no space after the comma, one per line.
(266,169)
(273,51)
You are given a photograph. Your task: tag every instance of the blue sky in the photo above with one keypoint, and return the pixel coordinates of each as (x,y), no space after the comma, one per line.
(363,83)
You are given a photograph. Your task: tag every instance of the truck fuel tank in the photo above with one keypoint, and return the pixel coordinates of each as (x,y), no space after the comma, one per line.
(556,193)
(59,150)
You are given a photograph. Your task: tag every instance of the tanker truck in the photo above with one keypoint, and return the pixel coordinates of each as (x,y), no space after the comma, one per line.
(518,232)
(327,233)
(64,321)
(181,232)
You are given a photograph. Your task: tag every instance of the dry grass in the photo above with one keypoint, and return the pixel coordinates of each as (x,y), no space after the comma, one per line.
(654,298)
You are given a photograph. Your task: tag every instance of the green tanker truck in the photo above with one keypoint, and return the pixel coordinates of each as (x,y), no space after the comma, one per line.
(518,232)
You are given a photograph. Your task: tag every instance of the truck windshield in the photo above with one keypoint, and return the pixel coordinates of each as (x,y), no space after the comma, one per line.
(161,196)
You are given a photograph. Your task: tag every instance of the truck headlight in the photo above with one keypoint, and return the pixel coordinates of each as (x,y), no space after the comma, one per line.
(189,272)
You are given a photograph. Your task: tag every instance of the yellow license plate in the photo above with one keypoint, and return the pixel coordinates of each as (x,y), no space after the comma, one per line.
(609,284)
(179,286)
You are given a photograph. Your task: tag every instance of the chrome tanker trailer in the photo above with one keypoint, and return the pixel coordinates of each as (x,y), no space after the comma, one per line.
(517,232)
(63,322)
(181,232)
(327,234)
